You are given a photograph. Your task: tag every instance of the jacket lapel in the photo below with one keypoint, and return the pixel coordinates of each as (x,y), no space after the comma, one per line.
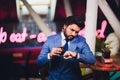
(73,45)
(58,40)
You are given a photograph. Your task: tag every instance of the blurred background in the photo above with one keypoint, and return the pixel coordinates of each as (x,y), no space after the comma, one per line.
(25,25)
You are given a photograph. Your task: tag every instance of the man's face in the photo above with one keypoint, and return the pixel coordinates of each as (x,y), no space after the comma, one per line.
(71,31)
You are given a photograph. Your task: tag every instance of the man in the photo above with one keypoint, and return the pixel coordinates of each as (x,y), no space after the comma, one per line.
(64,63)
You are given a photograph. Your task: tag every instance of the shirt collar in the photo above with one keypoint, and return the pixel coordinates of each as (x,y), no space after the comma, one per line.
(63,36)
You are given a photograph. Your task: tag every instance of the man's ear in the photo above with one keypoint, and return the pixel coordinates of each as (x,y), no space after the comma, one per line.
(64,26)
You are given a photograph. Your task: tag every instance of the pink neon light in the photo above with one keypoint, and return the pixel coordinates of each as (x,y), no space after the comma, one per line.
(12,37)
(19,37)
(41,37)
(100,32)
(82,32)
(33,36)
(3,36)
(24,34)
(53,33)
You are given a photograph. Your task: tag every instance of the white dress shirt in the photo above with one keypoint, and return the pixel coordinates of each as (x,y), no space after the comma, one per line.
(63,43)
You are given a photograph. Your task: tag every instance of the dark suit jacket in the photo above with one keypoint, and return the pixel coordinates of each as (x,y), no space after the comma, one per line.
(60,68)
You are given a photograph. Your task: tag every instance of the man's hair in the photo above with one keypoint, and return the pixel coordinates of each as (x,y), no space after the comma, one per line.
(74,20)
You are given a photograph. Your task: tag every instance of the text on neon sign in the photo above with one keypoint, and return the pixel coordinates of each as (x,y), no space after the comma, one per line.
(41,37)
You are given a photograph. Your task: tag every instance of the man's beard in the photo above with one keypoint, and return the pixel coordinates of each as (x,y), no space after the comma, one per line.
(70,37)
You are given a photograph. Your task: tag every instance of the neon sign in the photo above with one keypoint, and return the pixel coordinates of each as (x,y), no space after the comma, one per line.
(41,37)
(99,32)
(3,36)
(19,37)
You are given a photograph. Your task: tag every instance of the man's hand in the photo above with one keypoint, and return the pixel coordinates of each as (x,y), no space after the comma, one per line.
(55,52)
(69,54)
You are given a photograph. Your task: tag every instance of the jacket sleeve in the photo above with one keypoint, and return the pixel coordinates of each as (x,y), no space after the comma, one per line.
(43,56)
(86,55)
